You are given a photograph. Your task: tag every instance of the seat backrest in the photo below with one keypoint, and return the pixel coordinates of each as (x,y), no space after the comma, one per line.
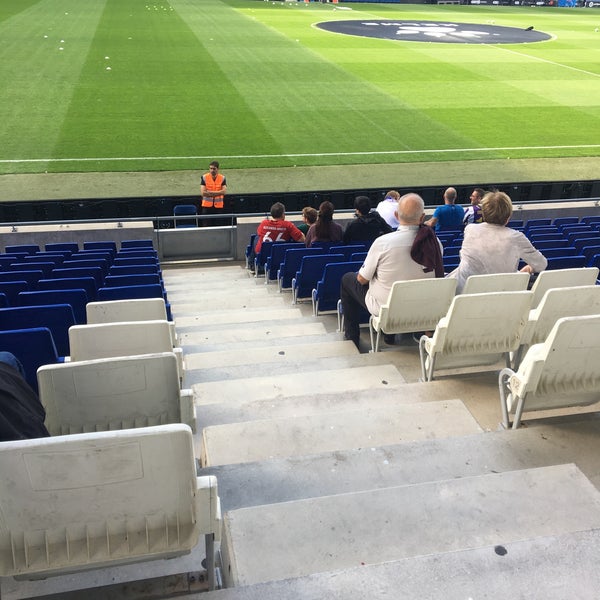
(77,263)
(70,283)
(565,262)
(348,249)
(70,246)
(310,272)
(277,255)
(56,317)
(33,347)
(588,240)
(106,340)
(136,260)
(559,221)
(291,263)
(153,290)
(44,267)
(12,289)
(184,209)
(95,272)
(562,302)
(137,244)
(416,305)
(590,251)
(136,253)
(486,323)
(137,279)
(563,370)
(106,498)
(76,298)
(497,282)
(26,248)
(31,277)
(102,245)
(143,309)
(561,278)
(44,257)
(327,291)
(111,393)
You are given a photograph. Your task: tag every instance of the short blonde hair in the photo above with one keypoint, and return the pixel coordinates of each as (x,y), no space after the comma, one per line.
(496,208)
(310,214)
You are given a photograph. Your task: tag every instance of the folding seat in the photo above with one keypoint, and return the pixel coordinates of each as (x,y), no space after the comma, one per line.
(34,347)
(588,219)
(309,273)
(326,294)
(56,317)
(348,249)
(136,244)
(358,256)
(324,246)
(31,277)
(75,298)
(104,499)
(543,230)
(547,237)
(123,392)
(412,306)
(103,245)
(140,260)
(560,372)
(565,262)
(24,248)
(452,251)
(561,278)
(76,263)
(133,253)
(590,251)
(130,292)
(582,242)
(44,257)
(555,252)
(260,259)
(536,223)
(248,251)
(479,329)
(93,255)
(45,267)
(140,309)
(551,244)
(6,261)
(566,229)
(446,237)
(70,246)
(11,290)
(363,319)
(496,282)
(276,257)
(560,221)
(126,338)
(515,223)
(555,304)
(95,272)
(135,270)
(291,263)
(71,283)
(138,279)
(181,210)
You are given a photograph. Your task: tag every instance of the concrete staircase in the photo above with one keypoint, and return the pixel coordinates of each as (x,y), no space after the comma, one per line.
(341,475)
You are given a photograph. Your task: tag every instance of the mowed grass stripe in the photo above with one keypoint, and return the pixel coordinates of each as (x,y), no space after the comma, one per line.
(308,103)
(38,77)
(9,9)
(163,96)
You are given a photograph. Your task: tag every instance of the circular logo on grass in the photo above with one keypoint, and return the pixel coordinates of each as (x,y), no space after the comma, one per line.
(434,31)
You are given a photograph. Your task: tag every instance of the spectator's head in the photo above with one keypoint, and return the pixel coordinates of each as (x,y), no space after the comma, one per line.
(362,205)
(411,209)
(496,208)
(309,215)
(278,210)
(477,196)
(326,211)
(392,195)
(450,196)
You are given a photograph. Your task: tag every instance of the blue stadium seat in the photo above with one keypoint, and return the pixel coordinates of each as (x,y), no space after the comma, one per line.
(125,280)
(260,259)
(291,264)
(140,260)
(136,244)
(24,248)
(276,257)
(71,247)
(134,291)
(560,221)
(310,272)
(56,317)
(3,300)
(75,298)
(349,249)
(11,290)
(181,210)
(135,270)
(33,347)
(566,262)
(95,272)
(31,277)
(326,294)
(359,256)
(103,245)
(71,283)
(72,263)
(44,267)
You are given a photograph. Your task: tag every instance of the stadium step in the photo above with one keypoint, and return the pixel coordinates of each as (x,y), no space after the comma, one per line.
(252,441)
(349,530)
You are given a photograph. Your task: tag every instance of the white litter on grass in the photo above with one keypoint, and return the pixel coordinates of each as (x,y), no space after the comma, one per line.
(108,69)
(45,37)
(62,41)
(106,57)
(61,48)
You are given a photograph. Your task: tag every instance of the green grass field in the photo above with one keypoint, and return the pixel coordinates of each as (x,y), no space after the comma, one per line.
(255,84)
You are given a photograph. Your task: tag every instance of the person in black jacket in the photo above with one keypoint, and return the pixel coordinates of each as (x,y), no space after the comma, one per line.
(21,412)
(367,225)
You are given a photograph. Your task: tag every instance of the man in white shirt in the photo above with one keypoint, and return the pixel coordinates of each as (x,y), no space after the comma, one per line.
(389,260)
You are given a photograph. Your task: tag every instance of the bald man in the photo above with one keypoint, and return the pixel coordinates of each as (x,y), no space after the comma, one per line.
(449,215)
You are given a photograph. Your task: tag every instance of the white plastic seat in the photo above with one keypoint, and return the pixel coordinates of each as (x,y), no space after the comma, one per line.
(496,282)
(136,309)
(561,372)
(562,278)
(77,502)
(479,329)
(414,305)
(557,303)
(114,393)
(125,338)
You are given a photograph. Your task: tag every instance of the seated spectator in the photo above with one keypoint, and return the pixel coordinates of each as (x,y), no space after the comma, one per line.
(324,229)
(275,229)
(473,212)
(309,216)
(367,225)
(21,412)
(391,259)
(491,247)
(387,208)
(449,215)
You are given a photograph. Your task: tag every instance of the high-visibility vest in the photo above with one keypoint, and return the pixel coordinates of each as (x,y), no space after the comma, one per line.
(213,185)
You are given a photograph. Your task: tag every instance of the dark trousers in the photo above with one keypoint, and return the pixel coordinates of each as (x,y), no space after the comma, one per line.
(211,210)
(352,294)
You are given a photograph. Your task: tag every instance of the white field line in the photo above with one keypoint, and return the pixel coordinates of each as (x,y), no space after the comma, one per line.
(304,155)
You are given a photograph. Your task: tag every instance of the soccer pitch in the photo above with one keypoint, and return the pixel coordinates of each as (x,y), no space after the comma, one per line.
(144,85)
